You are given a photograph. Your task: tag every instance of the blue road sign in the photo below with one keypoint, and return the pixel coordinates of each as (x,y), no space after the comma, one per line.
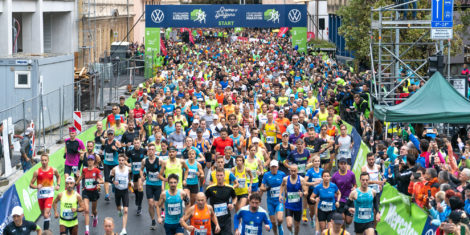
(442,13)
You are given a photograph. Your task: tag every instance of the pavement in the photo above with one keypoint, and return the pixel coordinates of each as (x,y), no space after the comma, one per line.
(140,225)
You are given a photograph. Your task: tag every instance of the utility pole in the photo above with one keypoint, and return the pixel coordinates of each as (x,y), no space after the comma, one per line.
(127,25)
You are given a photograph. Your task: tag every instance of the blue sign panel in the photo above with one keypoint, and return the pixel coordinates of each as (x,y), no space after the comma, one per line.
(442,13)
(225,16)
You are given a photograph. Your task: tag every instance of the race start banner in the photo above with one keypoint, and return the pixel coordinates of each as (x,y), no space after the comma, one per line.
(225,16)
(299,38)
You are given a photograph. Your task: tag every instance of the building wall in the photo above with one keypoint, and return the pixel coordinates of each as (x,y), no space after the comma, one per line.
(312,22)
(280,2)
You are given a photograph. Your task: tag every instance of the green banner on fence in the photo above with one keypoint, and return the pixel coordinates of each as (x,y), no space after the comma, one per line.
(152,49)
(299,38)
(361,160)
(398,214)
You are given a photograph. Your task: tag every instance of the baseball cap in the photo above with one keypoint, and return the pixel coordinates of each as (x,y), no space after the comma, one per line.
(91,157)
(110,131)
(285,134)
(196,121)
(28,131)
(255,140)
(17,210)
(69,179)
(173,148)
(199,130)
(342,160)
(337,218)
(311,125)
(200,99)
(274,163)
(292,96)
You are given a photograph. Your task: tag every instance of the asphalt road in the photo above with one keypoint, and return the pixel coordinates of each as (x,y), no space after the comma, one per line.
(141,224)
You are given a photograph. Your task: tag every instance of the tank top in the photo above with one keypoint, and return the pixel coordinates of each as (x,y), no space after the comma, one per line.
(192,173)
(163,156)
(331,132)
(293,199)
(136,161)
(200,145)
(283,153)
(253,167)
(236,143)
(242,182)
(201,220)
(373,176)
(364,206)
(172,168)
(110,155)
(152,170)
(118,132)
(122,177)
(98,143)
(342,231)
(67,203)
(322,116)
(46,179)
(226,179)
(270,129)
(173,207)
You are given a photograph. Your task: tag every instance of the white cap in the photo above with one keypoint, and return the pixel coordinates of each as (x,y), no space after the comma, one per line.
(17,210)
(255,140)
(196,121)
(69,179)
(274,163)
(28,131)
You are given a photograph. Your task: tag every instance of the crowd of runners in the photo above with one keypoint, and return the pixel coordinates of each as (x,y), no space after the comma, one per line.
(226,124)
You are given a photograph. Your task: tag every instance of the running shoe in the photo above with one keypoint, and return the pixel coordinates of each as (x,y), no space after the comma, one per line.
(154,225)
(95,221)
(312,223)
(139,210)
(304,218)
(120,213)
(123,232)
(87,233)
(106,197)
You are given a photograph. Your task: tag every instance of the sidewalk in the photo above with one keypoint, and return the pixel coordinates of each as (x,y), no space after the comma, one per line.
(88,120)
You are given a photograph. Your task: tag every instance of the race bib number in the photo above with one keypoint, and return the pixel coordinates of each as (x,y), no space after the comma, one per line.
(251,230)
(200,231)
(74,169)
(301,168)
(192,174)
(326,206)
(122,182)
(89,183)
(153,176)
(118,138)
(293,197)
(220,209)
(270,139)
(45,192)
(136,166)
(67,214)
(178,145)
(275,191)
(109,157)
(364,213)
(174,209)
(97,148)
(241,182)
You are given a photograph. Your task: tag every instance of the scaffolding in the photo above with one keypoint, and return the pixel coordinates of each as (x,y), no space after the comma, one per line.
(388,50)
(88,32)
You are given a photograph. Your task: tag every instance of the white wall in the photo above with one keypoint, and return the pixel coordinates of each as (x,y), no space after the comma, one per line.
(322,13)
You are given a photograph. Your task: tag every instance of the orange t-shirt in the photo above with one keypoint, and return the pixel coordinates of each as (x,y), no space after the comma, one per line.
(282,124)
(220,98)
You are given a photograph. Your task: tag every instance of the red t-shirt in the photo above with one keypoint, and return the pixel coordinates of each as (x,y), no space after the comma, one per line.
(139,113)
(90,176)
(220,144)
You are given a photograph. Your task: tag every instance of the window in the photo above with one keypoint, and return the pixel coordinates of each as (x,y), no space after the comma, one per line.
(22,79)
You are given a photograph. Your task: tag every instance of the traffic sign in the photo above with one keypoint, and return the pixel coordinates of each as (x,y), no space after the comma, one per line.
(442,13)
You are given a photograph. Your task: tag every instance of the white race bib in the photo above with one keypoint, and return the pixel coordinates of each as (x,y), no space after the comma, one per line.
(67,214)
(220,209)
(74,169)
(301,168)
(89,184)
(251,230)
(270,139)
(241,182)
(364,213)
(97,148)
(109,157)
(153,176)
(200,231)
(326,206)
(46,192)
(174,208)
(293,197)
(136,166)
(178,145)
(275,191)
(192,173)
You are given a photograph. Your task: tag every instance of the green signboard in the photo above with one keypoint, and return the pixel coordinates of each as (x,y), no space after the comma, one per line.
(152,49)
(299,38)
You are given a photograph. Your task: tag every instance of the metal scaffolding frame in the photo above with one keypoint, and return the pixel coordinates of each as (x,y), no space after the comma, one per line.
(387,50)
(88,32)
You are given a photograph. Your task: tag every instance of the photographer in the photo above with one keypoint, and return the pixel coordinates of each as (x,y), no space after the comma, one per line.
(403,172)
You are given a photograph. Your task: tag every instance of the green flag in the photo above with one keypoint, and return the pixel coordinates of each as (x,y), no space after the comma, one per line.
(152,49)
(299,38)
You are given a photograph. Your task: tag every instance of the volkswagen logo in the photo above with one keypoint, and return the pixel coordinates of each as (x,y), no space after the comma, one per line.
(294,15)
(157,16)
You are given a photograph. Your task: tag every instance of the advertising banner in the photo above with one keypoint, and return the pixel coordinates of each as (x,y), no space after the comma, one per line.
(399,215)
(282,31)
(8,200)
(299,38)
(152,48)
(310,36)
(225,16)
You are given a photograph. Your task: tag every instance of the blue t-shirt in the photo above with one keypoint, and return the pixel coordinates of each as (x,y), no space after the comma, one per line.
(169,108)
(327,197)
(300,160)
(169,129)
(312,175)
(252,222)
(273,182)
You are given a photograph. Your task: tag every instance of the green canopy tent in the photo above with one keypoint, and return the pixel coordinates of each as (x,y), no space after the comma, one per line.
(436,102)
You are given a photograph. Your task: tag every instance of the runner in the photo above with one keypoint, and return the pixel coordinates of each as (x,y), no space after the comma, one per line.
(255,166)
(150,169)
(91,192)
(344,144)
(313,179)
(110,152)
(229,177)
(201,216)
(252,218)
(329,197)
(337,226)
(20,226)
(242,190)
(70,203)
(294,188)
(175,166)
(108,225)
(219,195)
(73,149)
(374,171)
(345,180)
(172,199)
(283,150)
(121,175)
(135,156)
(237,139)
(44,179)
(365,207)
(272,182)
(270,131)
(195,173)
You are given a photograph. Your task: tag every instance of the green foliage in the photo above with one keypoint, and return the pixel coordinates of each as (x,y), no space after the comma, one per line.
(317,43)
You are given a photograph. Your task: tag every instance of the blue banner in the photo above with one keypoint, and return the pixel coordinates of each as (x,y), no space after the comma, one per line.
(225,16)
(8,200)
